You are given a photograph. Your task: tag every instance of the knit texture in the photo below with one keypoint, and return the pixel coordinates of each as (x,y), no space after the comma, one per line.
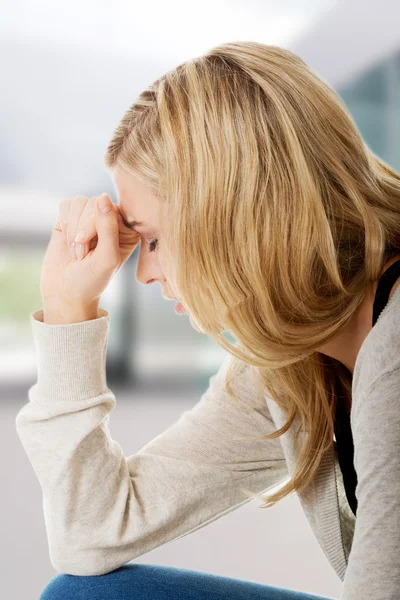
(103,509)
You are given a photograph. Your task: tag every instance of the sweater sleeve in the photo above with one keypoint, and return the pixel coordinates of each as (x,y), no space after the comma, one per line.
(103,509)
(373,570)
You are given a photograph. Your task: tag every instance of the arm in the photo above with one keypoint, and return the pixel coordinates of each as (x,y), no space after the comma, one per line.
(373,571)
(103,509)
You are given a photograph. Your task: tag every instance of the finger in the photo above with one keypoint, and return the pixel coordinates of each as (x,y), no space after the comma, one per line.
(86,230)
(57,226)
(89,231)
(107,253)
(76,209)
(63,212)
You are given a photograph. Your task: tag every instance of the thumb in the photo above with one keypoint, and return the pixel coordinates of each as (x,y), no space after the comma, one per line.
(58,243)
(106,224)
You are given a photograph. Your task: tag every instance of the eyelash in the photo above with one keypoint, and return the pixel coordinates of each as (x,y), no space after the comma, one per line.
(151,246)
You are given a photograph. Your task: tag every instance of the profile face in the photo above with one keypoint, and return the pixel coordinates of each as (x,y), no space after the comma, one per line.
(137,203)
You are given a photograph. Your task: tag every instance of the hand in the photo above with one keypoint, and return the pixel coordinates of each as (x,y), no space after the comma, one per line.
(78,284)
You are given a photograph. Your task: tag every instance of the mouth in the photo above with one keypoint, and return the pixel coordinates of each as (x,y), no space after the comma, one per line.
(179,308)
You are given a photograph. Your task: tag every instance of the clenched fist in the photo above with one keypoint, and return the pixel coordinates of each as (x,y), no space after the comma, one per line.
(72,286)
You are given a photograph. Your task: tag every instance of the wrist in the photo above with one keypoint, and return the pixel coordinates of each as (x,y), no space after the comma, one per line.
(59,313)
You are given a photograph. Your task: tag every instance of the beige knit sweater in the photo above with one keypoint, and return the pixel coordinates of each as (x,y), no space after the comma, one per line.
(103,509)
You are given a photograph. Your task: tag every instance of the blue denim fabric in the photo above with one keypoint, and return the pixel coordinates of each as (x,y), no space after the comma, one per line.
(158,582)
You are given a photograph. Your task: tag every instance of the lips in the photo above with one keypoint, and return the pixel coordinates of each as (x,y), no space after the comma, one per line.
(180,309)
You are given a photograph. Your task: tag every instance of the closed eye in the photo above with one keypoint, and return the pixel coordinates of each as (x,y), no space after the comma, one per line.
(153,244)
(130,226)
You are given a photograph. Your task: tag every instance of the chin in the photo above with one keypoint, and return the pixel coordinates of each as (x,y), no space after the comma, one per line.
(194,324)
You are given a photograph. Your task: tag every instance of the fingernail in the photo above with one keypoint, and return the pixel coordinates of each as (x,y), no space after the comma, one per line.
(105,205)
(80,249)
(72,250)
(80,237)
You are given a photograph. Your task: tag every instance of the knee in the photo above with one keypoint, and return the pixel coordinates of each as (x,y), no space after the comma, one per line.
(64,587)
(113,585)
(110,585)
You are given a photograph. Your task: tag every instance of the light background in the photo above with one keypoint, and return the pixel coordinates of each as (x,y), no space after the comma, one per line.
(68,72)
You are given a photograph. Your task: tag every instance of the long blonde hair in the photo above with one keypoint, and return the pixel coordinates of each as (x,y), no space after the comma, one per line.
(279,219)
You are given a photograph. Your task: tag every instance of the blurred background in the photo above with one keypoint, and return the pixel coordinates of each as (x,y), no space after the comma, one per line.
(69,71)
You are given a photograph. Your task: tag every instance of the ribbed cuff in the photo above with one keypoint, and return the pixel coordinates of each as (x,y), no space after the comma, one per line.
(71,358)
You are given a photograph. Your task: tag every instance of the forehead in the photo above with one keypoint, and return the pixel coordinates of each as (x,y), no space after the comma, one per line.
(129,184)
(135,198)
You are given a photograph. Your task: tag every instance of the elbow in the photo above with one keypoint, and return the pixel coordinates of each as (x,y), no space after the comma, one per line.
(81,562)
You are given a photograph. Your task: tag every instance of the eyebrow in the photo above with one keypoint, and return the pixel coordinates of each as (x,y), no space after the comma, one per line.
(132,224)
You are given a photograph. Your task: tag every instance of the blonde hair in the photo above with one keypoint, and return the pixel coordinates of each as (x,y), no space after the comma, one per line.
(279,219)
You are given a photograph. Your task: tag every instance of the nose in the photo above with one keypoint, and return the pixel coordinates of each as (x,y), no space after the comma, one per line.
(148,268)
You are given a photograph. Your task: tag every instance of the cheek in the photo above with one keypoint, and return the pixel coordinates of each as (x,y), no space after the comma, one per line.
(161,259)
(164,263)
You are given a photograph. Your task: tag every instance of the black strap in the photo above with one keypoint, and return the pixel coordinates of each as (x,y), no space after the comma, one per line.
(345,450)
(386,282)
(343,434)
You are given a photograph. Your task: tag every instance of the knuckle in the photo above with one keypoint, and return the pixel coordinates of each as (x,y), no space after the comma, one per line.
(65,202)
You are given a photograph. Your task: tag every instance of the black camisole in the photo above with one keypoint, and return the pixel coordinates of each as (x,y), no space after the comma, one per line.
(343,435)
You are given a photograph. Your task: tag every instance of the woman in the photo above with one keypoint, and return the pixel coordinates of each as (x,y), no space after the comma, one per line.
(260,208)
